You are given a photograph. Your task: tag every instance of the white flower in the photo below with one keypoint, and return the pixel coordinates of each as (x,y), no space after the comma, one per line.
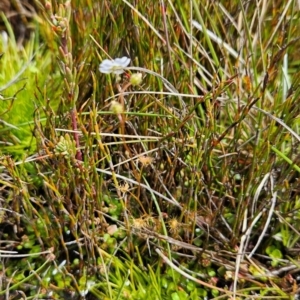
(115,66)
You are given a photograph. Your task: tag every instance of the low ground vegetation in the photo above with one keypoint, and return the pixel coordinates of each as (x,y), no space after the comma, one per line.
(172,173)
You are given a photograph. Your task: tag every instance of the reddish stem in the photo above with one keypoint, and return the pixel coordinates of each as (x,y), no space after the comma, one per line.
(76,135)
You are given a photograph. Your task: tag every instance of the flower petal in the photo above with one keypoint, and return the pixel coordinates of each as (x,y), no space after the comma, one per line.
(106,66)
(123,61)
(105,71)
(107,63)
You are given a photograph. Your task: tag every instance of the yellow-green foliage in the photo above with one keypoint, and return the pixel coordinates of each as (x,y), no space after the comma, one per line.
(24,71)
(182,183)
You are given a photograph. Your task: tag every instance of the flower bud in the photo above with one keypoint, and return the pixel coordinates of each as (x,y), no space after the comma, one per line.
(116,107)
(48,6)
(136,79)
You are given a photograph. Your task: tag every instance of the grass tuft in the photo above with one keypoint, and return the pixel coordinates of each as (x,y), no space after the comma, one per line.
(177,179)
